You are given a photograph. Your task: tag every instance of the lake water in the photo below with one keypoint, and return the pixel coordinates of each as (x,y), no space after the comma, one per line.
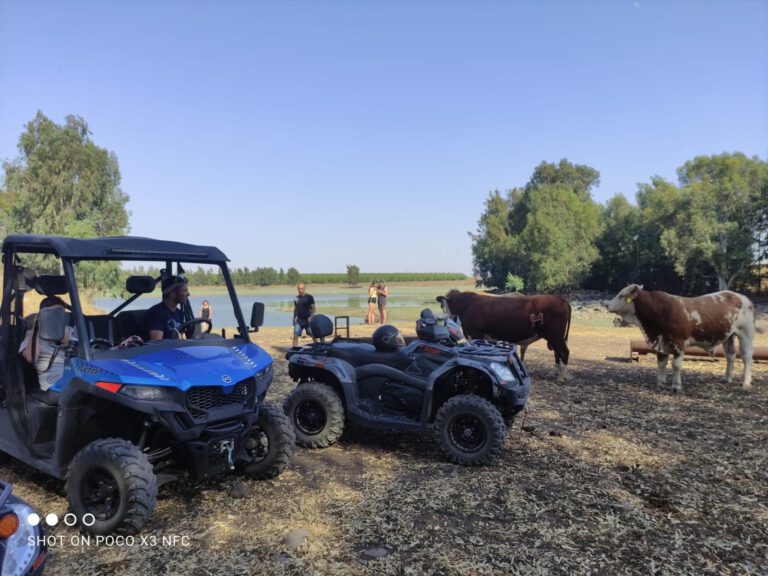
(278,309)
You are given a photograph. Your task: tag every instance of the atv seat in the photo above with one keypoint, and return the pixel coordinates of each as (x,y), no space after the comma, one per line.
(361,354)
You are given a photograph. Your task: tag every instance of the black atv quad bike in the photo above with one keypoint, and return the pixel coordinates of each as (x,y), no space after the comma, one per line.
(467,393)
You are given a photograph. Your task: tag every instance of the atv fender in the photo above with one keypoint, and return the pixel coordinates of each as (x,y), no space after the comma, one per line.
(448,368)
(330,370)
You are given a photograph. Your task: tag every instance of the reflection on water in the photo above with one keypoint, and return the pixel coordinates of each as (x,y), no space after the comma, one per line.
(278,309)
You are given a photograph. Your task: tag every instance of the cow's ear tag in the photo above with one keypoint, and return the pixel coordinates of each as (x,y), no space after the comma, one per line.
(629,300)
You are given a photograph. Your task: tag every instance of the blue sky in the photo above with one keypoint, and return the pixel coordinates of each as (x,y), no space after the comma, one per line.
(318,134)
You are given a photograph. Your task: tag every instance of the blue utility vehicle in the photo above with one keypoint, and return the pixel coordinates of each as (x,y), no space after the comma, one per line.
(129,414)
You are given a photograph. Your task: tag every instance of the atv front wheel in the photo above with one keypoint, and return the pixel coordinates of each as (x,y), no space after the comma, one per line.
(470,430)
(111,483)
(270,449)
(317,414)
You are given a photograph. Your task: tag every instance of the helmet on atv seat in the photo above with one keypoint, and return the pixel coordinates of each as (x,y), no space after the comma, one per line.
(387,338)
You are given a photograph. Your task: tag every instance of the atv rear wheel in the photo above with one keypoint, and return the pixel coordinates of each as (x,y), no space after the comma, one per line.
(112,480)
(317,414)
(470,430)
(270,449)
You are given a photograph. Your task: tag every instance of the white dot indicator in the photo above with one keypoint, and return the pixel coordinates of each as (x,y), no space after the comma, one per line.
(33,519)
(51,519)
(70,519)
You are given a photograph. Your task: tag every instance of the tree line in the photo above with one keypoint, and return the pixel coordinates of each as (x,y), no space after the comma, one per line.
(706,232)
(201,276)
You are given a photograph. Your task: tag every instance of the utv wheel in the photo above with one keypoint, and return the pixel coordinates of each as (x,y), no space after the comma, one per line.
(271,447)
(112,480)
(470,430)
(317,414)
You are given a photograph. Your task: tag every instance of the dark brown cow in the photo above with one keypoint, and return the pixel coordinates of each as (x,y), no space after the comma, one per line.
(670,323)
(522,320)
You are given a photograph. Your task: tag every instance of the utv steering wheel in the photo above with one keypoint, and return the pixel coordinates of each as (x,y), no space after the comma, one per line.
(101,343)
(194,322)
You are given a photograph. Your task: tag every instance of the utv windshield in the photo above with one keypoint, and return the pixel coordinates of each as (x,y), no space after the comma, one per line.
(158,300)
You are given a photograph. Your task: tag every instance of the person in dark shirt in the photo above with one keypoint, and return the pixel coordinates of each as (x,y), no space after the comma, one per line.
(164,318)
(382,292)
(206,311)
(303,308)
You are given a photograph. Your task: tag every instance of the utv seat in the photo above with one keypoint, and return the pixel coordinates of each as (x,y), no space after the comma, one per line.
(131,323)
(51,325)
(102,326)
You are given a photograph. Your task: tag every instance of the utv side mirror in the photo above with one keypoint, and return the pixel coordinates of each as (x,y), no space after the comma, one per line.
(257,315)
(51,323)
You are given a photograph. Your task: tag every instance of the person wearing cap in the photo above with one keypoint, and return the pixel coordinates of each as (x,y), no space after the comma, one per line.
(164,318)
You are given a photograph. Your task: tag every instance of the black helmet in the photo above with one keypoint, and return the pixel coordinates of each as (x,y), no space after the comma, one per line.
(387,338)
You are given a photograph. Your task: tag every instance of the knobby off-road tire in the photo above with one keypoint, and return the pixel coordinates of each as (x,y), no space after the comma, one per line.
(470,430)
(317,414)
(272,445)
(113,480)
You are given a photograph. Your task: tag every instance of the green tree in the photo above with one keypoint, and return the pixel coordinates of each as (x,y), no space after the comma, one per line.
(492,245)
(64,184)
(353,274)
(63,179)
(544,233)
(720,211)
(618,246)
(578,178)
(292,276)
(558,241)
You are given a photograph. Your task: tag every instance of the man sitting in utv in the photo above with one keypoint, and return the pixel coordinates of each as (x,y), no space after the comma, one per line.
(47,356)
(164,318)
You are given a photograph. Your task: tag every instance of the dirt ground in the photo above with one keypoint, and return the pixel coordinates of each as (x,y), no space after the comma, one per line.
(604,475)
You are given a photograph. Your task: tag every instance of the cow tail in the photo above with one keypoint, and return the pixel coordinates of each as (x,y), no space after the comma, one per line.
(568,322)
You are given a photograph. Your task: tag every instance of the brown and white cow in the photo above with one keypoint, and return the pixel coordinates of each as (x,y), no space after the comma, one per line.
(670,323)
(522,320)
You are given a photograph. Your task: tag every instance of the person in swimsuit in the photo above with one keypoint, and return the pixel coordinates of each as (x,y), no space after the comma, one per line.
(372,298)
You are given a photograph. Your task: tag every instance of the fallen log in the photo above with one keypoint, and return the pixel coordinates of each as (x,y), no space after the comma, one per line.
(637,347)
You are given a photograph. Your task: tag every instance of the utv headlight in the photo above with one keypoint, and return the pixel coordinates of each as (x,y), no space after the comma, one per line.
(265,372)
(502,371)
(146,392)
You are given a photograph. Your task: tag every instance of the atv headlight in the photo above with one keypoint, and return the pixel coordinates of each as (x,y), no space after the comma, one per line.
(502,371)
(145,392)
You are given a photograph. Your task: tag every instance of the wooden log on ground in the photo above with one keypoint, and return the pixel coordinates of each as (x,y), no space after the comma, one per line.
(637,347)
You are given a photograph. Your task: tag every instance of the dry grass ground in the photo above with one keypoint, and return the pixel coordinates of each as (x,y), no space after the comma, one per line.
(606,475)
